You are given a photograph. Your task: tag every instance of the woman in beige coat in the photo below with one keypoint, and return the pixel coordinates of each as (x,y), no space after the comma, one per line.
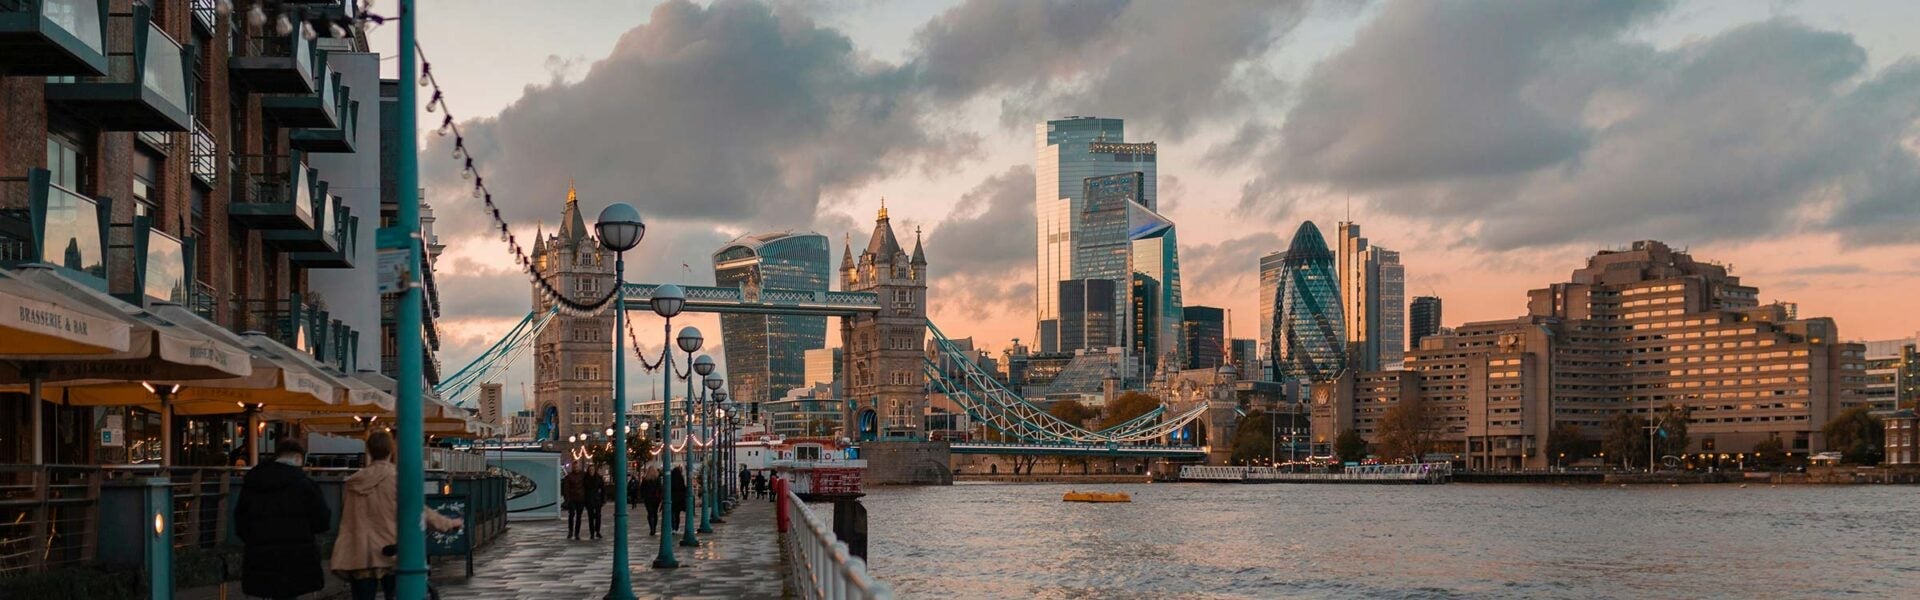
(369,504)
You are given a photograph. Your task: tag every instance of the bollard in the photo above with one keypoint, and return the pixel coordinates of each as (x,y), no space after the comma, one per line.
(850,526)
(159,505)
(780,508)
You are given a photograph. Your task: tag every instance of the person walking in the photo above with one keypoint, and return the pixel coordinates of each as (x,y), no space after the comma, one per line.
(573,495)
(279,512)
(651,494)
(595,499)
(746,477)
(633,488)
(677,485)
(369,511)
(759,485)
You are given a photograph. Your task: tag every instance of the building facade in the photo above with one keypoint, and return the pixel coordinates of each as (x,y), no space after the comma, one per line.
(1308,325)
(1089,315)
(1244,354)
(1634,332)
(1206,337)
(766,354)
(885,380)
(1069,151)
(823,366)
(573,355)
(1373,300)
(1271,266)
(1893,373)
(1423,320)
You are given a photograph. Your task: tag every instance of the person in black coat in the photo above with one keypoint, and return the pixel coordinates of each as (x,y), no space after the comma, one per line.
(596,498)
(651,494)
(746,478)
(279,513)
(681,496)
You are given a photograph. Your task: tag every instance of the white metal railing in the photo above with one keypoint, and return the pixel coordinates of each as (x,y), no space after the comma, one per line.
(822,569)
(1417,472)
(455,461)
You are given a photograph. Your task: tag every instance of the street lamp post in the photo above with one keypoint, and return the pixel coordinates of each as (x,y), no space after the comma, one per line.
(729,414)
(620,229)
(667,301)
(690,341)
(707,516)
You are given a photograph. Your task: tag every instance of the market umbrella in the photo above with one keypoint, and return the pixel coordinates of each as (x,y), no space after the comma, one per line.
(39,322)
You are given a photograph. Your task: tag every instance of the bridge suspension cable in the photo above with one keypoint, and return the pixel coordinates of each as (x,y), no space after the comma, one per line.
(490,364)
(986,400)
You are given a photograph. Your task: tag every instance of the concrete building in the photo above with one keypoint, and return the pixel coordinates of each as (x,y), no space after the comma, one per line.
(573,356)
(1069,151)
(1893,373)
(1633,332)
(1206,337)
(1373,300)
(811,411)
(886,352)
(766,354)
(1423,320)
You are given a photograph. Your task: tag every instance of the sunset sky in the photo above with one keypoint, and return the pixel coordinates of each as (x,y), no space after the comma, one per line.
(1494,145)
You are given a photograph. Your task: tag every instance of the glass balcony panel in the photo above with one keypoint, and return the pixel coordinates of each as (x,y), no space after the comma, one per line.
(276,196)
(165,78)
(145,86)
(315,110)
(53,37)
(71,235)
(275,64)
(167,269)
(79,18)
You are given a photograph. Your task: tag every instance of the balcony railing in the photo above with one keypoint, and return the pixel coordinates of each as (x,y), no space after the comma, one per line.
(275,64)
(53,37)
(48,516)
(206,14)
(203,300)
(277,193)
(145,87)
(204,159)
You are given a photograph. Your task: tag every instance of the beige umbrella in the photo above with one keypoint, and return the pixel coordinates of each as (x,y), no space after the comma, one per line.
(39,322)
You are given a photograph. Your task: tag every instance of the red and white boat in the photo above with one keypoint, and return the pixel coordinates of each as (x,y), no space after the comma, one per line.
(820,469)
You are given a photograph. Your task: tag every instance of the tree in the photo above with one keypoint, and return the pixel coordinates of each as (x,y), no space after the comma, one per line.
(1626,440)
(1253,438)
(1671,438)
(1769,454)
(1409,430)
(1857,435)
(1567,443)
(1128,406)
(1349,446)
(1072,411)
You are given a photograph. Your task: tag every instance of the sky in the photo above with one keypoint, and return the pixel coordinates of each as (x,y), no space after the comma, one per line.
(1495,145)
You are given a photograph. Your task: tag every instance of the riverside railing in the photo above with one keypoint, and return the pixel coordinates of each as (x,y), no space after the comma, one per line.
(1403,473)
(821,567)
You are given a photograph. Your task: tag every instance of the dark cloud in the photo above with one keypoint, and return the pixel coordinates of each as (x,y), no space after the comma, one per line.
(981,254)
(1226,263)
(1169,65)
(1545,124)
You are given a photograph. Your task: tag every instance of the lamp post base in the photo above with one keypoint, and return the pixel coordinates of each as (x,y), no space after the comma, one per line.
(689,543)
(665,563)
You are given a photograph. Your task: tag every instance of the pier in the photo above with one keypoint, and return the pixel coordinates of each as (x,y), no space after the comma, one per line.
(1418,473)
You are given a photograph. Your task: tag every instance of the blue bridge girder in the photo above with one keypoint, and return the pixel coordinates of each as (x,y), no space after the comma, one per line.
(1144,451)
(713,299)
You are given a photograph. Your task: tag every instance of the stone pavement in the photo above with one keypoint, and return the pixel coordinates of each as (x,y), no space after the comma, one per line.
(534,559)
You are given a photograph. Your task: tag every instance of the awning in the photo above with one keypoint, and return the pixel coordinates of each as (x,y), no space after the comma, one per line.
(158,349)
(39,322)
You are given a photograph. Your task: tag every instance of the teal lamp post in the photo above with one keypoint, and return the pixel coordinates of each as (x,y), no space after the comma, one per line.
(728,415)
(712,494)
(690,341)
(703,367)
(620,229)
(667,301)
(410,569)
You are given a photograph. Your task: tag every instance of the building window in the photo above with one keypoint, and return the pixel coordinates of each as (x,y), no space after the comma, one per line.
(67,158)
(146,183)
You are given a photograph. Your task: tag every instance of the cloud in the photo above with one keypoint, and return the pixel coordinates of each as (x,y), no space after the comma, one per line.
(980,255)
(1541,125)
(1172,65)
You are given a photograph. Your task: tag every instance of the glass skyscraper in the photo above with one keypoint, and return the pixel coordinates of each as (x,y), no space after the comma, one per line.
(1122,240)
(1313,342)
(1373,300)
(766,354)
(1070,151)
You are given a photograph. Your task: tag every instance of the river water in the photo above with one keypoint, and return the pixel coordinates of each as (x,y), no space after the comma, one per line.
(1347,541)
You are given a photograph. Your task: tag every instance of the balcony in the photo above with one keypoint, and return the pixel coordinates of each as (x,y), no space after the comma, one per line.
(203,159)
(45,222)
(345,239)
(287,320)
(311,111)
(334,139)
(278,196)
(206,14)
(53,37)
(326,235)
(274,64)
(145,88)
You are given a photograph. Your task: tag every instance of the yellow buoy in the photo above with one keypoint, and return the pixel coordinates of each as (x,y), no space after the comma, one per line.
(1096,497)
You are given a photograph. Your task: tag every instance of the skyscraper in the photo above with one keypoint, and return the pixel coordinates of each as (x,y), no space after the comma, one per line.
(1206,337)
(1245,358)
(1312,341)
(1123,241)
(1070,151)
(1373,300)
(1425,320)
(1087,314)
(766,354)
(823,365)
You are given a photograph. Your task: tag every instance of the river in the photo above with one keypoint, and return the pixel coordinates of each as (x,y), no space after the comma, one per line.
(1348,541)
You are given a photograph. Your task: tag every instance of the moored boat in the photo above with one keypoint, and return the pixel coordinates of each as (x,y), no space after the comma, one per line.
(1073,496)
(820,469)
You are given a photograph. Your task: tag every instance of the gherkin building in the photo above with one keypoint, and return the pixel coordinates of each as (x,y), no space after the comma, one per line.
(1307,321)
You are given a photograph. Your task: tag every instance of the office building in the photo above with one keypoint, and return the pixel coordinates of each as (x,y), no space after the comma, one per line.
(766,354)
(1373,300)
(1206,337)
(1423,321)
(806,411)
(1070,151)
(1159,311)
(823,366)
(1893,373)
(1088,314)
(1271,266)
(1633,332)
(1312,344)
(1244,355)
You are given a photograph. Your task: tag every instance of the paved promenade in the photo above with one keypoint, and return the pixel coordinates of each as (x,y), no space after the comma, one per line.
(534,559)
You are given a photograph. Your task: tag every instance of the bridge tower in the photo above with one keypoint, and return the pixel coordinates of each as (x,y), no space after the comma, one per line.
(883,353)
(573,360)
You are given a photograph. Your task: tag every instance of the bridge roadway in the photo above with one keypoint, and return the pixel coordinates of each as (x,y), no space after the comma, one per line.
(712,299)
(1150,451)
